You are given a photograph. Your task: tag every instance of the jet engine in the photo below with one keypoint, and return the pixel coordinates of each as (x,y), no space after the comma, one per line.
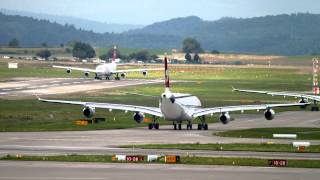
(269,114)
(69,70)
(86,74)
(138,117)
(303,101)
(88,112)
(145,73)
(123,75)
(225,118)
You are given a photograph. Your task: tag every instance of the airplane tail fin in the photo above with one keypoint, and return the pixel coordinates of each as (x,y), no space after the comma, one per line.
(114,54)
(166,73)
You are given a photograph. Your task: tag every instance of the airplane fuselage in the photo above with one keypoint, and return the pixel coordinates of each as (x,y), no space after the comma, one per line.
(106,69)
(178,109)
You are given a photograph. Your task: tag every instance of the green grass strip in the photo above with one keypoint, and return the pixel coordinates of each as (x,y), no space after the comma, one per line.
(302,133)
(229,147)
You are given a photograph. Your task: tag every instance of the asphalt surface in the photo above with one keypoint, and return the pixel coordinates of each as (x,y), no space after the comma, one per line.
(19,87)
(106,141)
(13,170)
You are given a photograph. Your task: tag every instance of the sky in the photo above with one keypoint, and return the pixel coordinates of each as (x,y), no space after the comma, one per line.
(145,12)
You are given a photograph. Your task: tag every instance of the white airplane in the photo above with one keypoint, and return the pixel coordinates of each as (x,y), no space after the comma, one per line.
(175,107)
(304,98)
(107,70)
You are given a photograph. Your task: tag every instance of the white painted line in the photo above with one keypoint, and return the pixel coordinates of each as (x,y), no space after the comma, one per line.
(55,81)
(43,86)
(3,93)
(76,82)
(65,83)
(18,88)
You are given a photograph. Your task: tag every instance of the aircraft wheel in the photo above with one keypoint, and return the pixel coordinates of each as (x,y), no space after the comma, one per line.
(156,125)
(199,126)
(150,126)
(315,108)
(205,126)
(179,126)
(175,126)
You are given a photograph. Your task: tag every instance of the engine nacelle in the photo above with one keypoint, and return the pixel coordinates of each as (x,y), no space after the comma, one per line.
(69,70)
(145,73)
(225,118)
(138,117)
(303,101)
(269,114)
(86,74)
(88,112)
(123,75)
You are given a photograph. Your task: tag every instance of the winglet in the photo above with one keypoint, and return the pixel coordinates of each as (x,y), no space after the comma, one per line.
(37,96)
(234,89)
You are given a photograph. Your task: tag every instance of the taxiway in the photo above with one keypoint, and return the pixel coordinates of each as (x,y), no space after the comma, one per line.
(23,170)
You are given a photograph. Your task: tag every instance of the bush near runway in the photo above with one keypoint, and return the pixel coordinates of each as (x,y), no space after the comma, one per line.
(264,147)
(183,160)
(302,133)
(210,83)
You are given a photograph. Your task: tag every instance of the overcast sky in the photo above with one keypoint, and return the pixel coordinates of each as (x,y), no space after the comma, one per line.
(150,11)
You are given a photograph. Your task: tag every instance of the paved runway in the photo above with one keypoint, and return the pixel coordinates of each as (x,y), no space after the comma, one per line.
(13,170)
(106,141)
(19,87)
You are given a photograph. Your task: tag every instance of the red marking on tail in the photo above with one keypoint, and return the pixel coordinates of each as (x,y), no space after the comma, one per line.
(114,54)
(166,73)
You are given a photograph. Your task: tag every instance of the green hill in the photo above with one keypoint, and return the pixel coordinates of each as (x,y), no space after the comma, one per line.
(295,34)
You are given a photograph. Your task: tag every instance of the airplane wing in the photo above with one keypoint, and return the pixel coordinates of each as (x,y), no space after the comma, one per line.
(289,94)
(76,68)
(205,111)
(137,70)
(143,109)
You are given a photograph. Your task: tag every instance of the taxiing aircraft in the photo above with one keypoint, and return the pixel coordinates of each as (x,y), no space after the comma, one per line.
(303,97)
(107,70)
(175,107)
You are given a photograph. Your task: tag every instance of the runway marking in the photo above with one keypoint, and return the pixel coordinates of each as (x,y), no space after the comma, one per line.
(3,93)
(43,86)
(55,81)
(65,83)
(46,177)
(19,88)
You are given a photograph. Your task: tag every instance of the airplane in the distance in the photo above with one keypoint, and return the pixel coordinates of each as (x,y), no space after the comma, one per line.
(304,98)
(107,70)
(175,107)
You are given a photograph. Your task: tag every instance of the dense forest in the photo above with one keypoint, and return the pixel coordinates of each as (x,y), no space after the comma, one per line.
(293,34)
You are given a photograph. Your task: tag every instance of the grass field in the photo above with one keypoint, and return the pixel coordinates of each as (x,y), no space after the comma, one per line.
(183,160)
(210,83)
(228,147)
(33,51)
(302,133)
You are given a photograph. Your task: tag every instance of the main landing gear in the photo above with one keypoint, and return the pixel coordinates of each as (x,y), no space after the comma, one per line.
(203,125)
(117,77)
(314,106)
(154,124)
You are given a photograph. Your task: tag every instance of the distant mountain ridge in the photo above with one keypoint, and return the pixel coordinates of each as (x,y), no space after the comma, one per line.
(294,34)
(278,34)
(95,26)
